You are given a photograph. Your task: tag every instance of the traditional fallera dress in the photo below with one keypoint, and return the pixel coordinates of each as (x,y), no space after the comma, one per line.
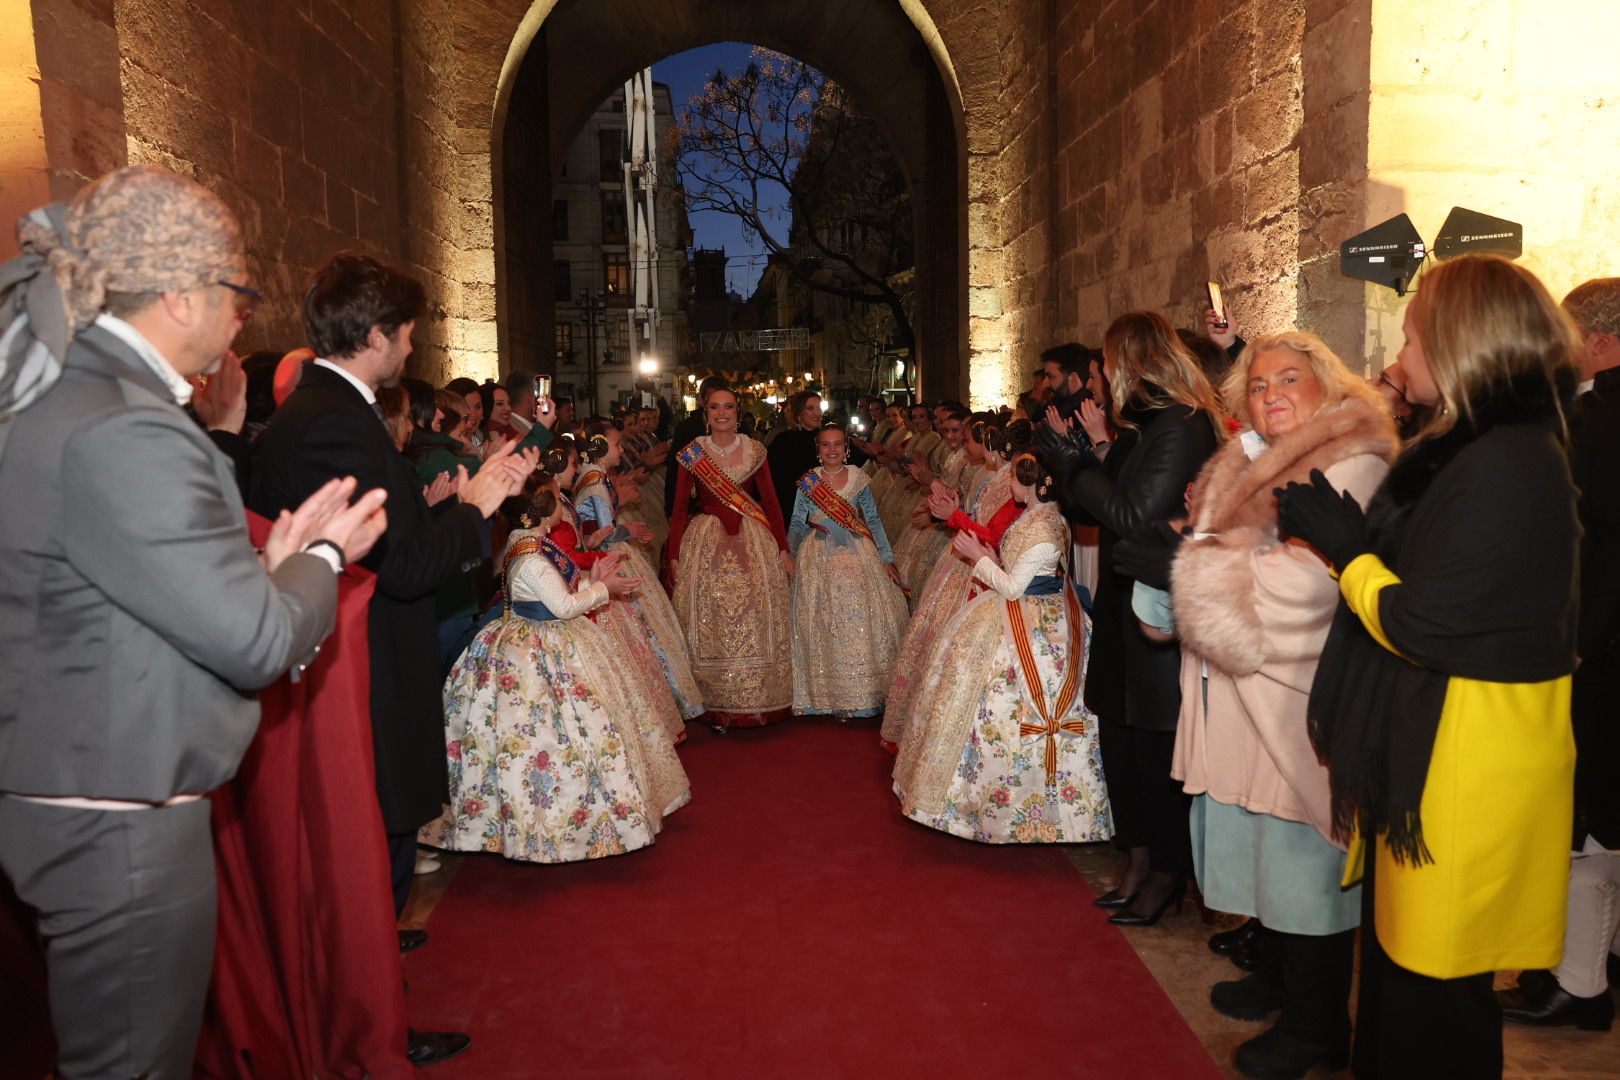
(730,591)
(904,495)
(648,505)
(597,507)
(919,547)
(1000,748)
(848,616)
(882,478)
(547,760)
(948,590)
(622,620)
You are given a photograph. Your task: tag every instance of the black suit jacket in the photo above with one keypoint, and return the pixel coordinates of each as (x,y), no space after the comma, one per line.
(324,430)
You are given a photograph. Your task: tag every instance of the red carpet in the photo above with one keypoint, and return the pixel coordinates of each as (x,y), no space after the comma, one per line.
(789,923)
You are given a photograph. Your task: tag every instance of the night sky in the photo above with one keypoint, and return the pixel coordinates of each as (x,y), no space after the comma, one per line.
(685,74)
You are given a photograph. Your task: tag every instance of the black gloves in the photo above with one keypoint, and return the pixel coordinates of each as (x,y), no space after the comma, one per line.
(1330,521)
(1061,456)
(1146,555)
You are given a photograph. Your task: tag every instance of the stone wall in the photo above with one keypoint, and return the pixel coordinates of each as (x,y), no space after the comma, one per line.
(1109,154)
(1508,107)
(287,111)
(1179,125)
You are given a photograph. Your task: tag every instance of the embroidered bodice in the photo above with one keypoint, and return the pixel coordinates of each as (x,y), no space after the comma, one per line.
(809,517)
(1031,548)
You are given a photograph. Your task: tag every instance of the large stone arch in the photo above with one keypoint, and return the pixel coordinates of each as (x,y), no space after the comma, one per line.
(527,74)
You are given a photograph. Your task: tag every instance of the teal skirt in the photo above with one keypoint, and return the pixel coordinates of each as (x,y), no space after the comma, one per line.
(1281,872)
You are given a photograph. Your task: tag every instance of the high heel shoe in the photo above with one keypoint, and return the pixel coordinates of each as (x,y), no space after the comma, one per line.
(1114,899)
(1177,893)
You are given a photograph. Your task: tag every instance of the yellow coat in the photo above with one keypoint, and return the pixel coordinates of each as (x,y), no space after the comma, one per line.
(1497,815)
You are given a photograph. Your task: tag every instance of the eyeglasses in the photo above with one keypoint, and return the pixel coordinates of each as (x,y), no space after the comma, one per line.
(247,298)
(1384,380)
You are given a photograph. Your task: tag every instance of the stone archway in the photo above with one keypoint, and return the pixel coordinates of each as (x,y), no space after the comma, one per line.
(903,59)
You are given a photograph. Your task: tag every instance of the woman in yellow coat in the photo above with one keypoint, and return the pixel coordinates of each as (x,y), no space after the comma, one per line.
(1441,704)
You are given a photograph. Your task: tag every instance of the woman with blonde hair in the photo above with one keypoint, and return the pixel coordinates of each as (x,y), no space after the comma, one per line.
(1252,612)
(1169,421)
(1441,703)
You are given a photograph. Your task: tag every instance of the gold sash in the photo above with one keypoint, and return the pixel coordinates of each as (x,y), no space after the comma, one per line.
(1052,722)
(720,483)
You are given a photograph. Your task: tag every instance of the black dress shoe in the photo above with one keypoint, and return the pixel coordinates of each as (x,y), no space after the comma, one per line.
(432,1047)
(1228,942)
(1253,997)
(1557,1008)
(1278,1055)
(1114,899)
(411,940)
(1127,917)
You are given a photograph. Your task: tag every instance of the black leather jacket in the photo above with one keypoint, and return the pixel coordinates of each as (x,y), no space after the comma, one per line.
(1143,480)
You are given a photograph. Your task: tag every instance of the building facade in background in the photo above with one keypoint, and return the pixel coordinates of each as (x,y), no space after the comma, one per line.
(591,283)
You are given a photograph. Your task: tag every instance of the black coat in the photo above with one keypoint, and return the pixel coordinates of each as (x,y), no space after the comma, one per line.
(688,429)
(1595,466)
(792,454)
(324,430)
(1143,480)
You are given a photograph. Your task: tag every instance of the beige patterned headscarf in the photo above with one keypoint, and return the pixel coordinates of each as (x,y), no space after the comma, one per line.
(135,230)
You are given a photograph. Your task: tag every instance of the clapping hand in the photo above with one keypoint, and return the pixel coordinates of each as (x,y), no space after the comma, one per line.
(220,399)
(501,477)
(1055,423)
(1329,520)
(598,538)
(1094,422)
(444,485)
(942,502)
(327,515)
(971,548)
(639,533)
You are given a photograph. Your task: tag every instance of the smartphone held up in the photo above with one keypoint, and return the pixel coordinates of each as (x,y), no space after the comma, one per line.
(542,392)
(1217,304)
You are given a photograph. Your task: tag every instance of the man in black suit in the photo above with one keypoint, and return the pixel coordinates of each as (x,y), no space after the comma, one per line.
(358,314)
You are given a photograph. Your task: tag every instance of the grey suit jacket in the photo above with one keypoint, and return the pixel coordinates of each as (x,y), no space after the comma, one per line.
(135,618)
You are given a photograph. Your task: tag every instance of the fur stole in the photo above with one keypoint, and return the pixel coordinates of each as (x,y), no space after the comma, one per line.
(1212,582)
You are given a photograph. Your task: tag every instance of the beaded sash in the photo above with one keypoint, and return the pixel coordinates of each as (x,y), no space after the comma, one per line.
(834,505)
(720,483)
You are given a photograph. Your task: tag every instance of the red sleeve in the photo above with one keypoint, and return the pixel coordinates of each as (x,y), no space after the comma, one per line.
(681,512)
(1002,519)
(563,535)
(962,523)
(766,491)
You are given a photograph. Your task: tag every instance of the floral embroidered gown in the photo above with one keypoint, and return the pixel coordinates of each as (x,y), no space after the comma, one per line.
(948,590)
(848,616)
(1000,748)
(547,762)
(730,592)
(633,640)
(596,507)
